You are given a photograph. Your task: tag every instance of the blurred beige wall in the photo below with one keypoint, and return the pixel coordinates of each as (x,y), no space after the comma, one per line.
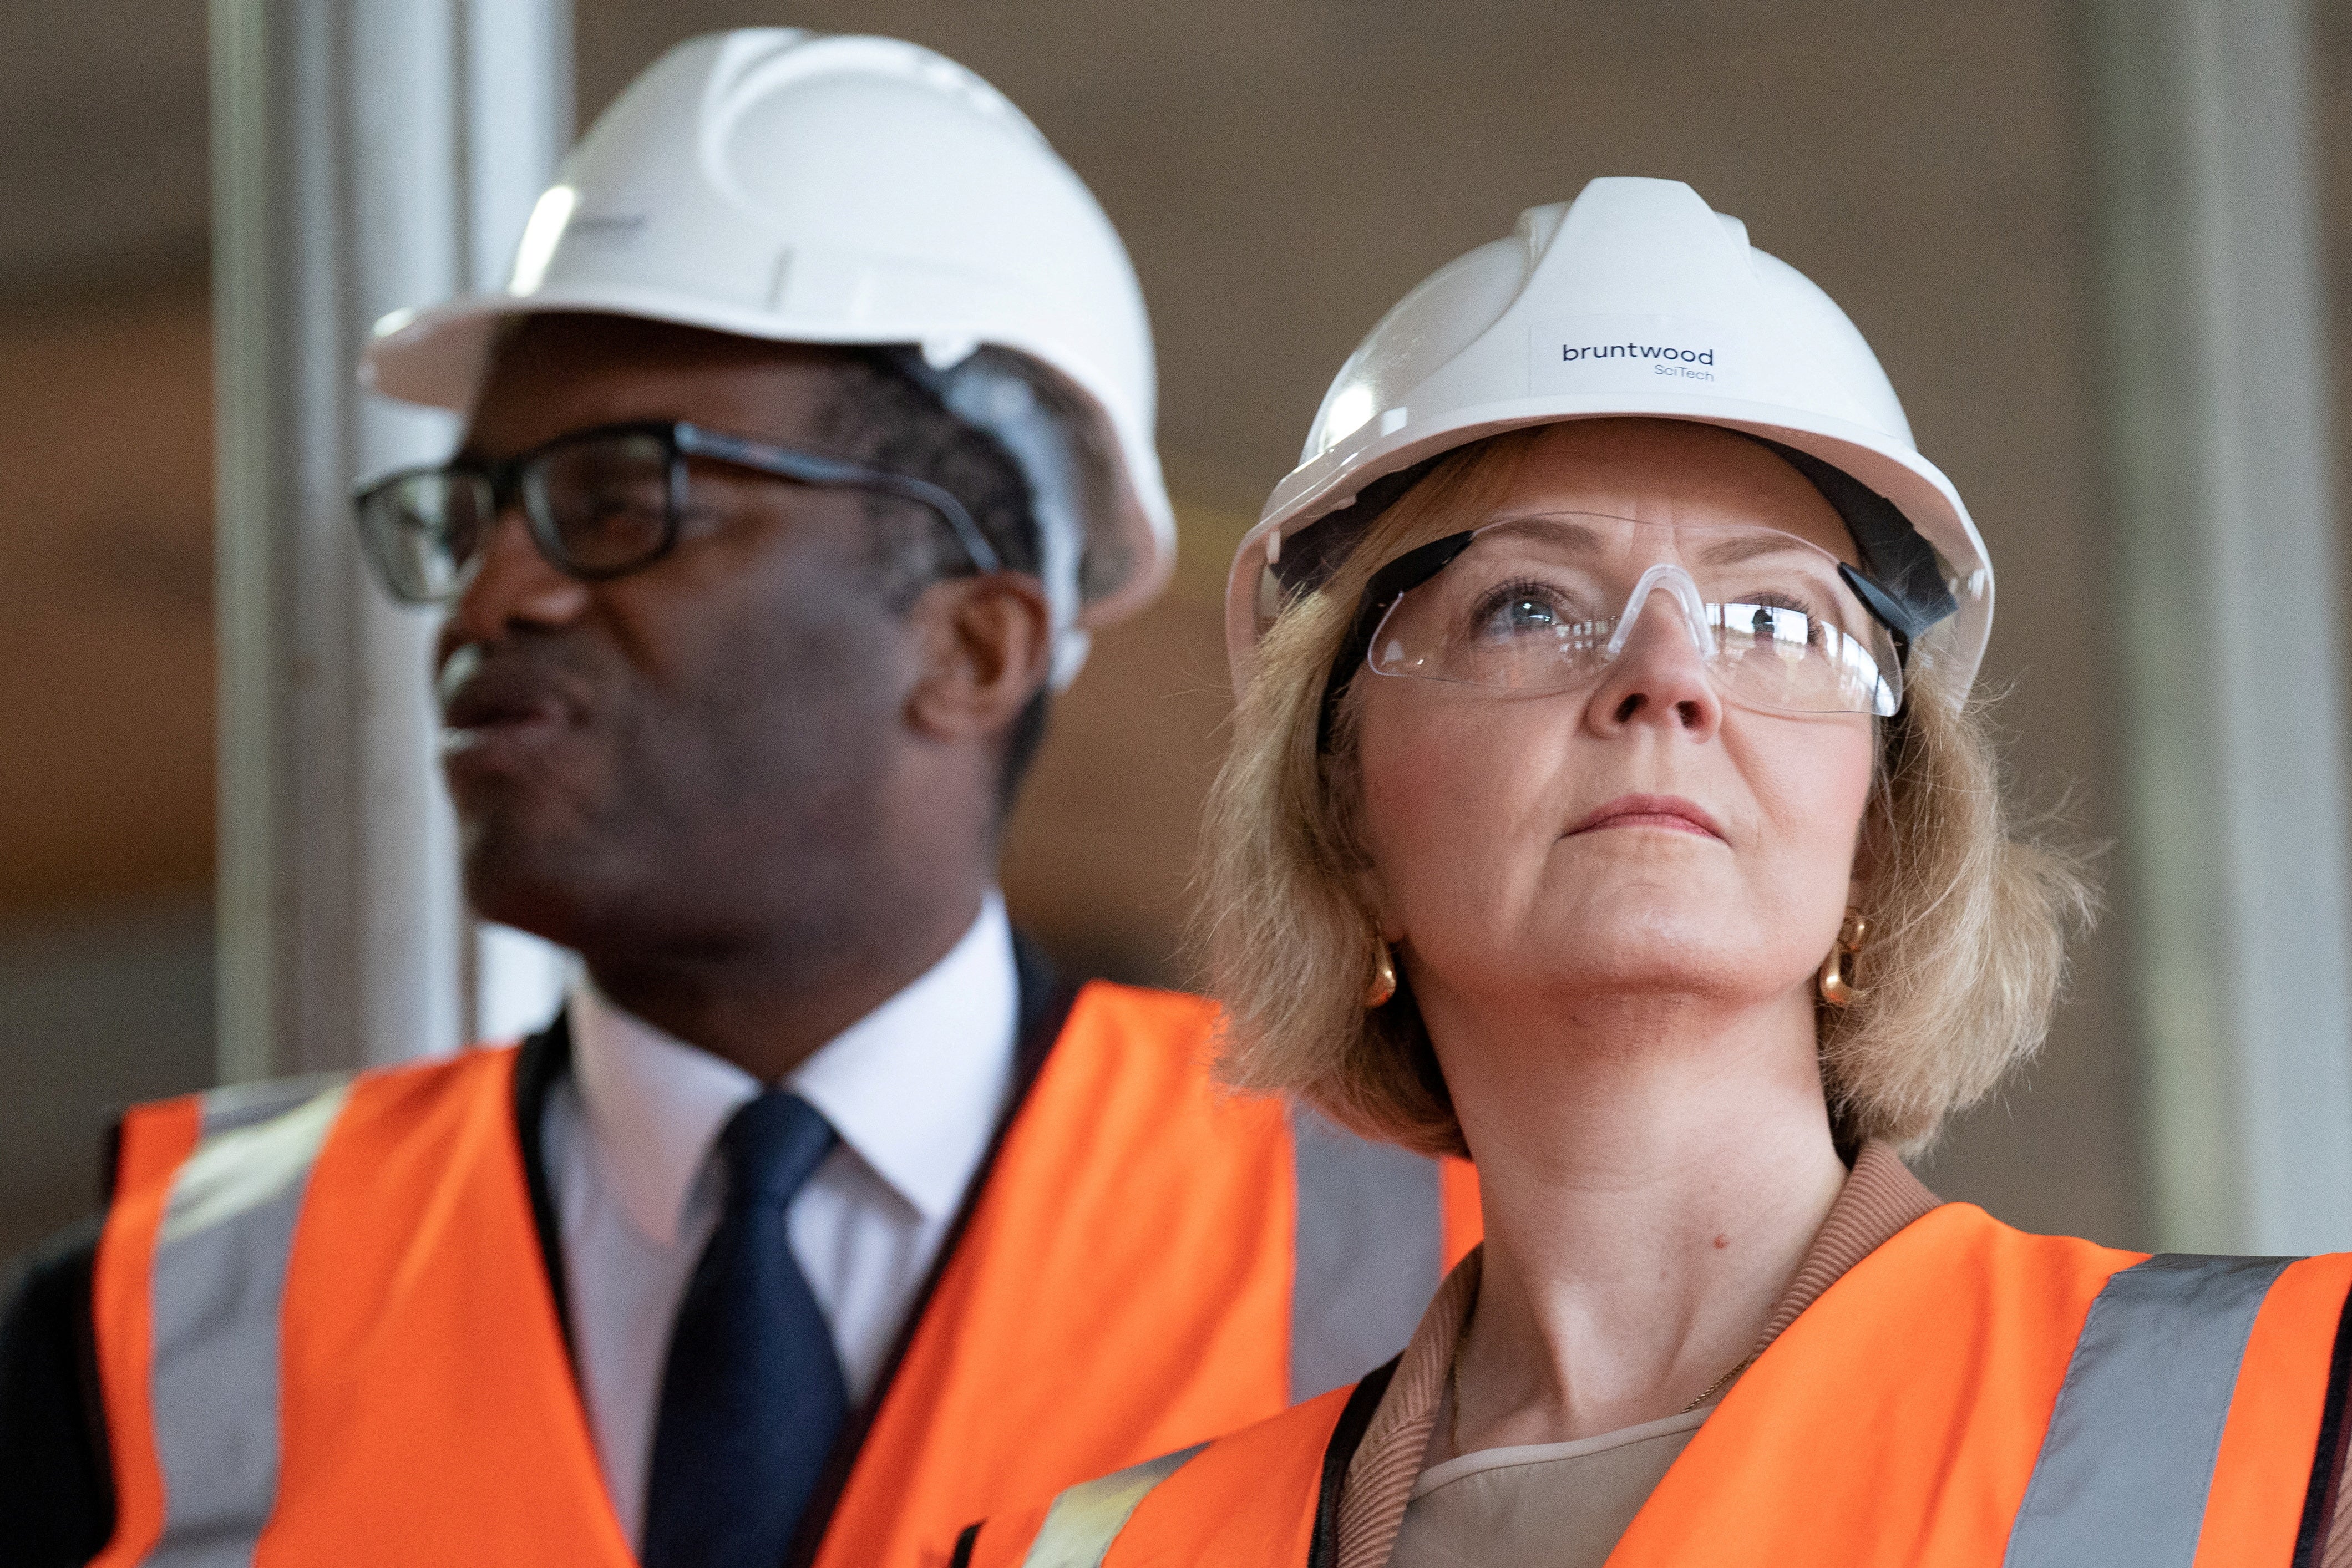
(1283,171)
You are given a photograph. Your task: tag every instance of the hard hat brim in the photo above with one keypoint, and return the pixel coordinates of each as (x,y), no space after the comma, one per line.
(437,356)
(1917,488)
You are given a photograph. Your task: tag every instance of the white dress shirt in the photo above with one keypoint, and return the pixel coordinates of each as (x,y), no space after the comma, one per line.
(914,1090)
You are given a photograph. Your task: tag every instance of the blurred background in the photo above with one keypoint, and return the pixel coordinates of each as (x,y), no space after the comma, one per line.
(1282,171)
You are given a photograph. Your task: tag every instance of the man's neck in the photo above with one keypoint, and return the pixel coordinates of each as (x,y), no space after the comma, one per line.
(768,1005)
(1651,1171)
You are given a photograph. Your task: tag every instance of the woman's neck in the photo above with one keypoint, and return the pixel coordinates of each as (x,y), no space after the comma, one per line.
(1652,1170)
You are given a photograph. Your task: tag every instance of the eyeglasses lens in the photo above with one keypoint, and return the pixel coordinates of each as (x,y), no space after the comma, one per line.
(603,503)
(1540,604)
(423,529)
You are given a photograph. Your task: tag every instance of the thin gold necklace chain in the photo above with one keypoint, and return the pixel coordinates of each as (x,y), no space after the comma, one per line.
(1454,1391)
(1719,1385)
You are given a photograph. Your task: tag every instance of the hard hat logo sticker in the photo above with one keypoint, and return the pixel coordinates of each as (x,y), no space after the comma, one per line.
(1635,351)
(1624,353)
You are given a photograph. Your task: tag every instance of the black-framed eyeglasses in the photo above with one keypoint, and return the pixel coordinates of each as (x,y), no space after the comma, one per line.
(600,504)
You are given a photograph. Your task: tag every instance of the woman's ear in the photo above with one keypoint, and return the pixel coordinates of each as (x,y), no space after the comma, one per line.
(984,646)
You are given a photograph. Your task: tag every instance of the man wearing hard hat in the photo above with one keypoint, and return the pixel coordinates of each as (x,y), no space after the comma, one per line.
(808,444)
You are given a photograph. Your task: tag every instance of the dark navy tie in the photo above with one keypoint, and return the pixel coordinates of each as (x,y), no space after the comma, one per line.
(754,1392)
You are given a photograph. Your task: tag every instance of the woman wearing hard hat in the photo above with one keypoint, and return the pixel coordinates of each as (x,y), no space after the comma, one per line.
(1603,803)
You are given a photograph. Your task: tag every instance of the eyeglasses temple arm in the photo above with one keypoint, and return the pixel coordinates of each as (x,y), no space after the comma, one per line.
(1388,585)
(813,469)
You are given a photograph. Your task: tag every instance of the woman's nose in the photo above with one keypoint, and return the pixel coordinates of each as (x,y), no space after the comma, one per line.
(1659,676)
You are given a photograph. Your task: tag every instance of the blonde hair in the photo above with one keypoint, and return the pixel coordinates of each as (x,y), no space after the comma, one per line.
(1968,918)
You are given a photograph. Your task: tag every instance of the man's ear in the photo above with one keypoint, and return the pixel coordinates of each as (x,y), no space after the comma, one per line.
(985,645)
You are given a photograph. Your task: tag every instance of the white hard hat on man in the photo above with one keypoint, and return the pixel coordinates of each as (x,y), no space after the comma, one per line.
(804,187)
(1634,299)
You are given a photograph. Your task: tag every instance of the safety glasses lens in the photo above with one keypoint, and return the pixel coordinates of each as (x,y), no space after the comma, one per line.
(1548,604)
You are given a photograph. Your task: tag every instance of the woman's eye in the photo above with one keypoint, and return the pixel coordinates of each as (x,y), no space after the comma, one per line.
(1518,615)
(1525,606)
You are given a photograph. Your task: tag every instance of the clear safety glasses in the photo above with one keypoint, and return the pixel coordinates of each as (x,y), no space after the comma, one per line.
(600,503)
(1547,603)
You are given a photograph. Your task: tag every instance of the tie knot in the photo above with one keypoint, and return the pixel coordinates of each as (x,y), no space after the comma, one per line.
(772,1146)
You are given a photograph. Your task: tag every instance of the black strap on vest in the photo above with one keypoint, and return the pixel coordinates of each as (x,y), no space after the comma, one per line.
(2322,1497)
(542,1062)
(1355,1418)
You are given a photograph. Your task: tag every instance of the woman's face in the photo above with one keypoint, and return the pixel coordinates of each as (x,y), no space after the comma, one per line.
(1637,835)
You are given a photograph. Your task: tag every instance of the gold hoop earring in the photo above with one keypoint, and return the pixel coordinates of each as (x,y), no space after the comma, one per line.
(1843,967)
(1384,980)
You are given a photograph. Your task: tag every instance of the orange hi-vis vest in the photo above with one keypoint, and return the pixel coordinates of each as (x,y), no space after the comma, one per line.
(1966,1395)
(327,1331)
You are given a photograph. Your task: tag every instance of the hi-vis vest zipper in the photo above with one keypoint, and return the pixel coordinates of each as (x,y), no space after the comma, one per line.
(1966,1395)
(326,1333)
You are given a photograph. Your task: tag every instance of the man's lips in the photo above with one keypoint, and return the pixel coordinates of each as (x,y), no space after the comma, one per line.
(1669,811)
(506,728)
(506,706)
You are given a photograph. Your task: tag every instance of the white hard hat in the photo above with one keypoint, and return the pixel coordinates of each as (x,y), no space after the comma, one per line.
(1634,299)
(802,187)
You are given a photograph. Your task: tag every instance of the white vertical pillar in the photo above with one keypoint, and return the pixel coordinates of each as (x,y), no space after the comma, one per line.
(2216,387)
(516,124)
(368,154)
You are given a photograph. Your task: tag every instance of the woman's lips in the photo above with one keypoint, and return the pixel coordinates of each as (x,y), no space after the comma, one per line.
(1669,811)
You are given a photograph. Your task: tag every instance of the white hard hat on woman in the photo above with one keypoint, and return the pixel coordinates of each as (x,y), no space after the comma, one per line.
(1603,802)
(1634,299)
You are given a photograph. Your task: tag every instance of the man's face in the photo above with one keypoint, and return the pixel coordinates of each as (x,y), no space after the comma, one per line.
(678,755)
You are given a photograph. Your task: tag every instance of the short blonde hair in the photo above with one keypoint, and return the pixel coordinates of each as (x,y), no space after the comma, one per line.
(1968,918)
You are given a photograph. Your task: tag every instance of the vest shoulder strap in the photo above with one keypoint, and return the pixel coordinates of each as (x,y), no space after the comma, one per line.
(1184,1260)
(2191,1422)
(345,1309)
(1254,1497)
(2027,1400)
(186,1296)
(1131,1234)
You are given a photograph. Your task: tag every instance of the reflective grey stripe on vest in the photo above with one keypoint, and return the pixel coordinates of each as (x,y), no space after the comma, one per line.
(219,1282)
(1370,1249)
(2128,1459)
(1084,1520)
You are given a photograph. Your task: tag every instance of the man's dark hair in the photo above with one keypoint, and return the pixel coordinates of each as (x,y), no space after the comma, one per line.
(881,415)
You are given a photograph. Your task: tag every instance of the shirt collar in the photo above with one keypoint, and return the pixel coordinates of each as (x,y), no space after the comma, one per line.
(656,1105)
(915,1085)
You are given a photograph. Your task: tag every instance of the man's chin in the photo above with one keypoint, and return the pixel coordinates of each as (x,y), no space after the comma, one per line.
(548,888)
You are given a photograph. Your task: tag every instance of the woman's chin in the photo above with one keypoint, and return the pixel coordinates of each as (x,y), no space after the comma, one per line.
(1661,956)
